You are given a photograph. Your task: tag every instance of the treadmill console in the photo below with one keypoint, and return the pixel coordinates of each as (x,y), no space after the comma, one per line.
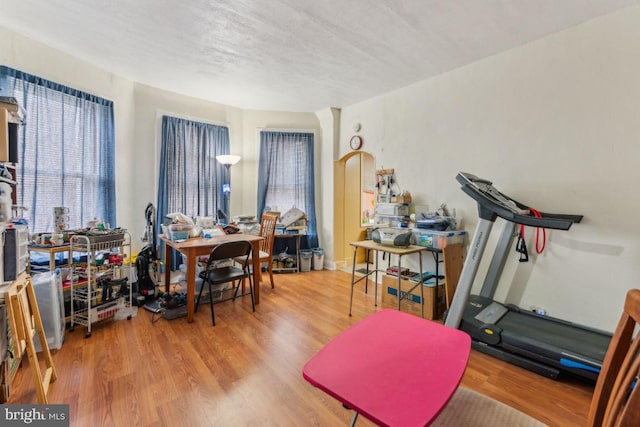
(492,313)
(488,190)
(492,204)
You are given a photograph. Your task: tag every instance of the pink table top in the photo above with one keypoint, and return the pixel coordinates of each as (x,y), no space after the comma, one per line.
(393,368)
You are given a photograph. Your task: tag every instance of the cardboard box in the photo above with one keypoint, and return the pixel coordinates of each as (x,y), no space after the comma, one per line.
(291,216)
(412,303)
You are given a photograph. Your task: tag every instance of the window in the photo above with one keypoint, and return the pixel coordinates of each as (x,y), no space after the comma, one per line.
(286,176)
(66,152)
(190,179)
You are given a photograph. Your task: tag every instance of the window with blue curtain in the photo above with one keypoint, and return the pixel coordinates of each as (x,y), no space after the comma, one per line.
(190,178)
(66,152)
(286,176)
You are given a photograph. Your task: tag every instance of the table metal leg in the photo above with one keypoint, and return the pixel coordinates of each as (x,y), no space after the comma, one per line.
(366,276)
(353,278)
(354,419)
(436,258)
(422,286)
(375,292)
(399,280)
(366,262)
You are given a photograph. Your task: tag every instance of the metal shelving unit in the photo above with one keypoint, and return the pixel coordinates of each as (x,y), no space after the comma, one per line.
(295,255)
(100,281)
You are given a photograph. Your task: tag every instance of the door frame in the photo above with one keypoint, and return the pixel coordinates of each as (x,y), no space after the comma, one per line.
(342,258)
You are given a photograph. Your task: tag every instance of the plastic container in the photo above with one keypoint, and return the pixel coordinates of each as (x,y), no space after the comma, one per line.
(305,260)
(180,227)
(392,209)
(179,231)
(318,258)
(48,290)
(435,223)
(182,277)
(437,239)
(178,235)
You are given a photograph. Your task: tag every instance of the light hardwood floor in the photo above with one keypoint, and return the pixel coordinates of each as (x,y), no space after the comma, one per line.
(246,371)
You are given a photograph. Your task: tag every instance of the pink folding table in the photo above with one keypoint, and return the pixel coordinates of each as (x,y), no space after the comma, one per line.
(393,368)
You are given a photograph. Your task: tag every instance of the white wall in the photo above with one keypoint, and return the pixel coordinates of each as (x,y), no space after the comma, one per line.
(555,124)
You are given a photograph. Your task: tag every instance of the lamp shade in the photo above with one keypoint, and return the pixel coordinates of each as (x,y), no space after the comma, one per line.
(228,159)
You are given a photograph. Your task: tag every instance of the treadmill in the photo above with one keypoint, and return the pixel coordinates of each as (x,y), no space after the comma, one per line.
(542,344)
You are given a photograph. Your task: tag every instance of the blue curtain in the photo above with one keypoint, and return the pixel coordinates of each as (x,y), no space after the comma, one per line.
(286,176)
(66,152)
(190,178)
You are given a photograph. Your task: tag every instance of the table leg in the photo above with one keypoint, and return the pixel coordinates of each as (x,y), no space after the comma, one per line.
(366,280)
(168,262)
(354,419)
(353,277)
(298,253)
(255,258)
(435,297)
(399,279)
(191,285)
(375,292)
(421,286)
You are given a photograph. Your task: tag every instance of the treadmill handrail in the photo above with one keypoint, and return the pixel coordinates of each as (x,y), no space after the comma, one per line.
(489,206)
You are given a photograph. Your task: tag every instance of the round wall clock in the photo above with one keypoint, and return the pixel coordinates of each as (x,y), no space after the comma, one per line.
(355,142)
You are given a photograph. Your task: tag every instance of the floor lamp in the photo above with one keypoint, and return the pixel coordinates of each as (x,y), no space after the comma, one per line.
(227,160)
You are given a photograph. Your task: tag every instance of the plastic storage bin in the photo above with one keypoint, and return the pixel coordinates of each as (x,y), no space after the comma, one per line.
(16,251)
(437,239)
(179,231)
(48,289)
(318,258)
(305,260)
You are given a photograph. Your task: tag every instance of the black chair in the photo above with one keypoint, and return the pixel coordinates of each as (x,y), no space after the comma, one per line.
(217,275)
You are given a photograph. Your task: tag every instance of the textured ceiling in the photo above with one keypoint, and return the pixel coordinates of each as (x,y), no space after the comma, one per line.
(290,55)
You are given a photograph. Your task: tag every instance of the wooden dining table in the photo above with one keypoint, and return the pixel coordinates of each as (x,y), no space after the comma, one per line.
(199,246)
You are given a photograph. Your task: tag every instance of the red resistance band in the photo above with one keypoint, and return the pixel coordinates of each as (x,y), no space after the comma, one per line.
(539,246)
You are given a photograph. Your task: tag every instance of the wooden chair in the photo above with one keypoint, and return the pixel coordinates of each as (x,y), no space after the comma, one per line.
(268,231)
(616,399)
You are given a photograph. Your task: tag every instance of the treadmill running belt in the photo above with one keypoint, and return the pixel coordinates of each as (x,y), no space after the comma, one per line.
(552,338)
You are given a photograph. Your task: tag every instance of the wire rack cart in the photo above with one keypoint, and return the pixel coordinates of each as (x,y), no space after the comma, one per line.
(100,288)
